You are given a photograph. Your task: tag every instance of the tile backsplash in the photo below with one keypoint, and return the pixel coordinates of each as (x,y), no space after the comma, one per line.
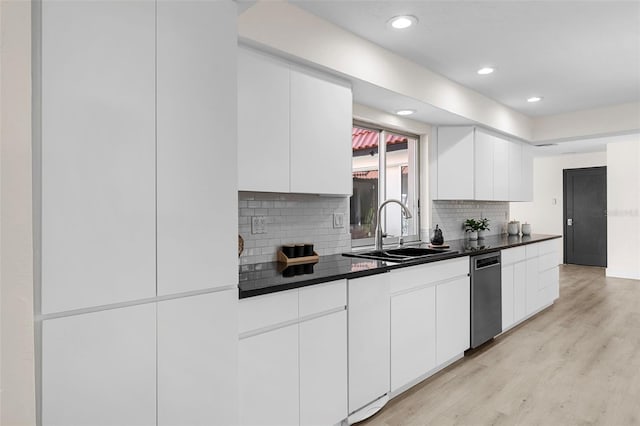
(450,215)
(291,218)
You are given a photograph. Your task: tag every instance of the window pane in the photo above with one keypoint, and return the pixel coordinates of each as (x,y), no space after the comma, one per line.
(364,202)
(401,184)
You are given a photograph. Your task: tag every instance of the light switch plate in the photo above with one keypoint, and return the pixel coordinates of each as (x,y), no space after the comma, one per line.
(257,225)
(338,220)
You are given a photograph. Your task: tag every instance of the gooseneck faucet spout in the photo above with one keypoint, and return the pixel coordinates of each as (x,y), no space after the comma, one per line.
(379,232)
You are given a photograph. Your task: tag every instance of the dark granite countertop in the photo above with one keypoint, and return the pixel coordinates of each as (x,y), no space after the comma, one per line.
(271,277)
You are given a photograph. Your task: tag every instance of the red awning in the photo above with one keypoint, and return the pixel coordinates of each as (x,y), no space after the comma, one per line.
(373,174)
(367,139)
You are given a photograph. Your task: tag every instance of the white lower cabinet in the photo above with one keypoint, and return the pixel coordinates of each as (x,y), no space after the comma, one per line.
(99,368)
(532,300)
(430,306)
(530,280)
(453,332)
(269,378)
(519,291)
(413,336)
(508,318)
(369,339)
(293,357)
(197,360)
(323,370)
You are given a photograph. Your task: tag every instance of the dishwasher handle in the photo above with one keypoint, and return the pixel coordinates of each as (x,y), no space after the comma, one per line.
(486,262)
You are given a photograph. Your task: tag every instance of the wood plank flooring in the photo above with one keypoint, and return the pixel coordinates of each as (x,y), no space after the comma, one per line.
(577,363)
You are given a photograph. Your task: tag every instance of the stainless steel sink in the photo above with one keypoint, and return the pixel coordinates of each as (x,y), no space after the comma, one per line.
(403,254)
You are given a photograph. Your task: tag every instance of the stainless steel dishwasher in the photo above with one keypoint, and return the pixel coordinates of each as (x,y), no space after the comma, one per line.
(486,297)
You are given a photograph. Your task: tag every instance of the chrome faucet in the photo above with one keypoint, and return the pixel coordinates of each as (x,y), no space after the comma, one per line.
(379,233)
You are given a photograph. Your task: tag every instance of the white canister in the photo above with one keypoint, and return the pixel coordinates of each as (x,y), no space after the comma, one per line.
(526,229)
(513,228)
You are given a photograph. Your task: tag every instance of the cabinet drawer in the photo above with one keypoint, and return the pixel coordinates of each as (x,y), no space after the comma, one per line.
(547,261)
(264,311)
(416,276)
(513,255)
(551,246)
(323,297)
(532,250)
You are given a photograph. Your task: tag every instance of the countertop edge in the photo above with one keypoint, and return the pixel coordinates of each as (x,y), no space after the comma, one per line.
(244,294)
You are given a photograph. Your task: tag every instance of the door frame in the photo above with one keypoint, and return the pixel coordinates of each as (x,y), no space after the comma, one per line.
(564,210)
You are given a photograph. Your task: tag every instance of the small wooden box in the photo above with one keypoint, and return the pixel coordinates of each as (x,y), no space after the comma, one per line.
(282,258)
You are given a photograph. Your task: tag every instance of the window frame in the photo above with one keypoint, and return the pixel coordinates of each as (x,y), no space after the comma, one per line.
(382,181)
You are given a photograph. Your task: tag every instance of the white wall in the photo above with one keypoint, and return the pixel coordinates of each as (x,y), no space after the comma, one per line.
(607,120)
(545,215)
(623,208)
(16,263)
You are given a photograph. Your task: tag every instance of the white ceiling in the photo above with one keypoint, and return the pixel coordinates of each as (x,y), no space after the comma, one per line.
(576,54)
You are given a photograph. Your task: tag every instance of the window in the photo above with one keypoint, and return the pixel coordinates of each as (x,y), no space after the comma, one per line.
(384,166)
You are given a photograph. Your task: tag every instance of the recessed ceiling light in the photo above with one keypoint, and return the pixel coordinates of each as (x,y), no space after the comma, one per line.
(402,22)
(534,99)
(405,111)
(486,70)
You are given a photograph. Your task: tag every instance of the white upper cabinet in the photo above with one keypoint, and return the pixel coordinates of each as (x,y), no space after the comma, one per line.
(473,164)
(294,129)
(321,120)
(196,149)
(98,153)
(99,369)
(484,165)
(501,169)
(455,158)
(263,123)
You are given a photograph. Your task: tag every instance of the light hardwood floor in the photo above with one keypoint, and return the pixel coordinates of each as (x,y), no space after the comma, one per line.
(576,363)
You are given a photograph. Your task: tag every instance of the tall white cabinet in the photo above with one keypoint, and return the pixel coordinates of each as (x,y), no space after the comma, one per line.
(136,195)
(196,150)
(98,153)
(100,368)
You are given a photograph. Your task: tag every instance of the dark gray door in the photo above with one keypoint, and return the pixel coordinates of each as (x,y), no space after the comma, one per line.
(585,218)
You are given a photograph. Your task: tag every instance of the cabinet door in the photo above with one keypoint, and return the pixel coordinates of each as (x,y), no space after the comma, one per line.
(532,299)
(320,143)
(368,339)
(453,333)
(269,378)
(196,155)
(507,296)
(413,335)
(263,123)
(197,360)
(500,169)
(519,291)
(514,158)
(484,165)
(323,370)
(98,153)
(100,368)
(455,163)
(527,173)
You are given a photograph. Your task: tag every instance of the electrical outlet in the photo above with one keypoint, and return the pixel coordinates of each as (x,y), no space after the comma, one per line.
(338,220)
(257,225)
